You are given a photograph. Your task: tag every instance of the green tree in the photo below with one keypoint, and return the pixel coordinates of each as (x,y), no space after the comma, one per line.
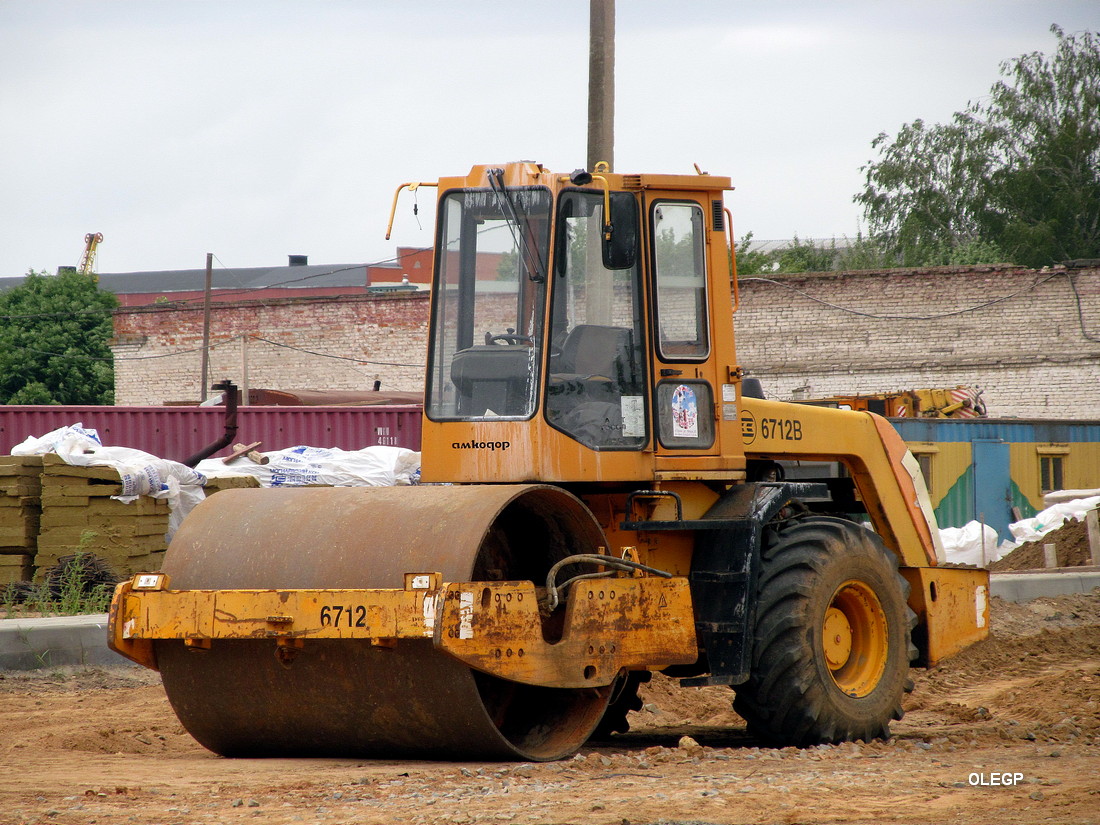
(751,261)
(675,256)
(811,256)
(864,253)
(54,331)
(508,268)
(806,256)
(1016,176)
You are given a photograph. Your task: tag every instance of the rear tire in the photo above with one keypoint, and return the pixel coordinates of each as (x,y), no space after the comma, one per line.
(832,641)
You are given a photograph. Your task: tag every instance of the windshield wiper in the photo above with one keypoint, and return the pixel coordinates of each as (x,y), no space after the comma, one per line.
(516,224)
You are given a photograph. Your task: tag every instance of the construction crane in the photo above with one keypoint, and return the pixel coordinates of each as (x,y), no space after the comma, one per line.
(87,261)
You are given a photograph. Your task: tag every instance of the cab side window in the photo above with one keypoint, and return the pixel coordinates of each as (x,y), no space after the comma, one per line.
(679,256)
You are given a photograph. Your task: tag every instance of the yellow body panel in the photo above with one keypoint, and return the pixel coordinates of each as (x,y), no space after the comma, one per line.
(473,452)
(671,550)
(609,625)
(953,606)
(871,450)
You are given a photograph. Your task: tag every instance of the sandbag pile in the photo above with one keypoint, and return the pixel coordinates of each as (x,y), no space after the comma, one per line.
(115,503)
(304,466)
(65,492)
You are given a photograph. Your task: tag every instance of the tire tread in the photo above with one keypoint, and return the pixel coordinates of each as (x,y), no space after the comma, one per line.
(785,700)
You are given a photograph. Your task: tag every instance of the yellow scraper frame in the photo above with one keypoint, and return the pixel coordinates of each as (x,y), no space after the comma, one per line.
(610,625)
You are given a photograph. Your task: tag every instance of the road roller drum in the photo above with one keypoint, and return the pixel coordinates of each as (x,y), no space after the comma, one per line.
(334,697)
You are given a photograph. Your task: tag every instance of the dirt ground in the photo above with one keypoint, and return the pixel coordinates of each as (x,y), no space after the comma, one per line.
(1007,731)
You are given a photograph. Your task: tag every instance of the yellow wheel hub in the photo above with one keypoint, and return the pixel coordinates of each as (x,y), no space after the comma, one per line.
(837,638)
(854,638)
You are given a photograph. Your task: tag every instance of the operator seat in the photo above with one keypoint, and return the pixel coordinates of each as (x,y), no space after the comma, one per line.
(492,379)
(588,379)
(594,361)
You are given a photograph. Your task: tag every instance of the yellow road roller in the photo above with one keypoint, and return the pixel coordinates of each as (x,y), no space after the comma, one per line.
(604,495)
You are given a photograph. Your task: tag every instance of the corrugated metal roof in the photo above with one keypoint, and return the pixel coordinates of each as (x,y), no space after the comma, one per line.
(1004,429)
(306,276)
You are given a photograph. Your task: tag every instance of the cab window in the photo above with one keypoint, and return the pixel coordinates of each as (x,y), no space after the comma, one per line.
(679,257)
(489,289)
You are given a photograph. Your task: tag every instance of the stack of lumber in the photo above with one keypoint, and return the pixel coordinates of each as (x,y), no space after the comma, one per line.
(20,508)
(214,485)
(50,509)
(79,515)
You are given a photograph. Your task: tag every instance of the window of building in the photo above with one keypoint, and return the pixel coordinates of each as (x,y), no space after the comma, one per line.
(1052,466)
(925,454)
(1051,470)
(925,460)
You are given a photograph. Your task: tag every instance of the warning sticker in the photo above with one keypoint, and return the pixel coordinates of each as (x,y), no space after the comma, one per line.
(431,608)
(465,615)
(633,416)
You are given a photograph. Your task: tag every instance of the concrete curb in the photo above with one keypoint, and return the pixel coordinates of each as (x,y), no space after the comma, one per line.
(1023,587)
(30,644)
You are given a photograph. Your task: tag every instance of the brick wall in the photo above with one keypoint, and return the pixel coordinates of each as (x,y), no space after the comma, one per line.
(287,344)
(1021,335)
(1016,333)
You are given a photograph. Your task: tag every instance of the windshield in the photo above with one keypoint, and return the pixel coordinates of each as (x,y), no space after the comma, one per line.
(487,308)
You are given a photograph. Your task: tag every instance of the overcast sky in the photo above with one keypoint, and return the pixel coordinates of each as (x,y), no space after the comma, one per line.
(255,129)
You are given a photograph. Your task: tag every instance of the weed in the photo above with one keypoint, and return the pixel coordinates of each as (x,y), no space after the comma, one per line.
(78,584)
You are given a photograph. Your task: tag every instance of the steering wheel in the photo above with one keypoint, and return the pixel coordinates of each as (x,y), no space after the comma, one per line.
(509,337)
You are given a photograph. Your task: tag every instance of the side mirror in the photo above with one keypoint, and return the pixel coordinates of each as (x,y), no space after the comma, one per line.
(620,245)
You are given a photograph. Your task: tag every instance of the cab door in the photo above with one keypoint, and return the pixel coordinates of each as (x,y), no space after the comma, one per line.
(685,380)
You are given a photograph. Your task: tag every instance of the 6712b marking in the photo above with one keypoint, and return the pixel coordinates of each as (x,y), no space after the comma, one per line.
(785,429)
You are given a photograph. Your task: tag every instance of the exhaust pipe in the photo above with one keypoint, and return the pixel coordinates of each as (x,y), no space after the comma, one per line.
(231,392)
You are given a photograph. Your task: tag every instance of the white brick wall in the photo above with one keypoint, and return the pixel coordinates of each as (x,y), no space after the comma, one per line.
(1016,333)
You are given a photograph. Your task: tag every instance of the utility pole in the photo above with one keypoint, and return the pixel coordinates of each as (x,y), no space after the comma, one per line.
(244,369)
(206,326)
(601,83)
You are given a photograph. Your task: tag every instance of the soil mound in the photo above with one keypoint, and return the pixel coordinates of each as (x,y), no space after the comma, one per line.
(1071,542)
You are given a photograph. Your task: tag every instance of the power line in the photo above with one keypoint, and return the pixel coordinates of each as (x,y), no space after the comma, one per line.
(329,355)
(1080,309)
(85,357)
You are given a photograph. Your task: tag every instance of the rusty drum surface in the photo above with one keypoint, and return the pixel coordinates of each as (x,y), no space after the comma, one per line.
(348,698)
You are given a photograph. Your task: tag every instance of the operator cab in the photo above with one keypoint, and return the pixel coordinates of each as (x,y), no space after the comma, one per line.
(493,273)
(544,325)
